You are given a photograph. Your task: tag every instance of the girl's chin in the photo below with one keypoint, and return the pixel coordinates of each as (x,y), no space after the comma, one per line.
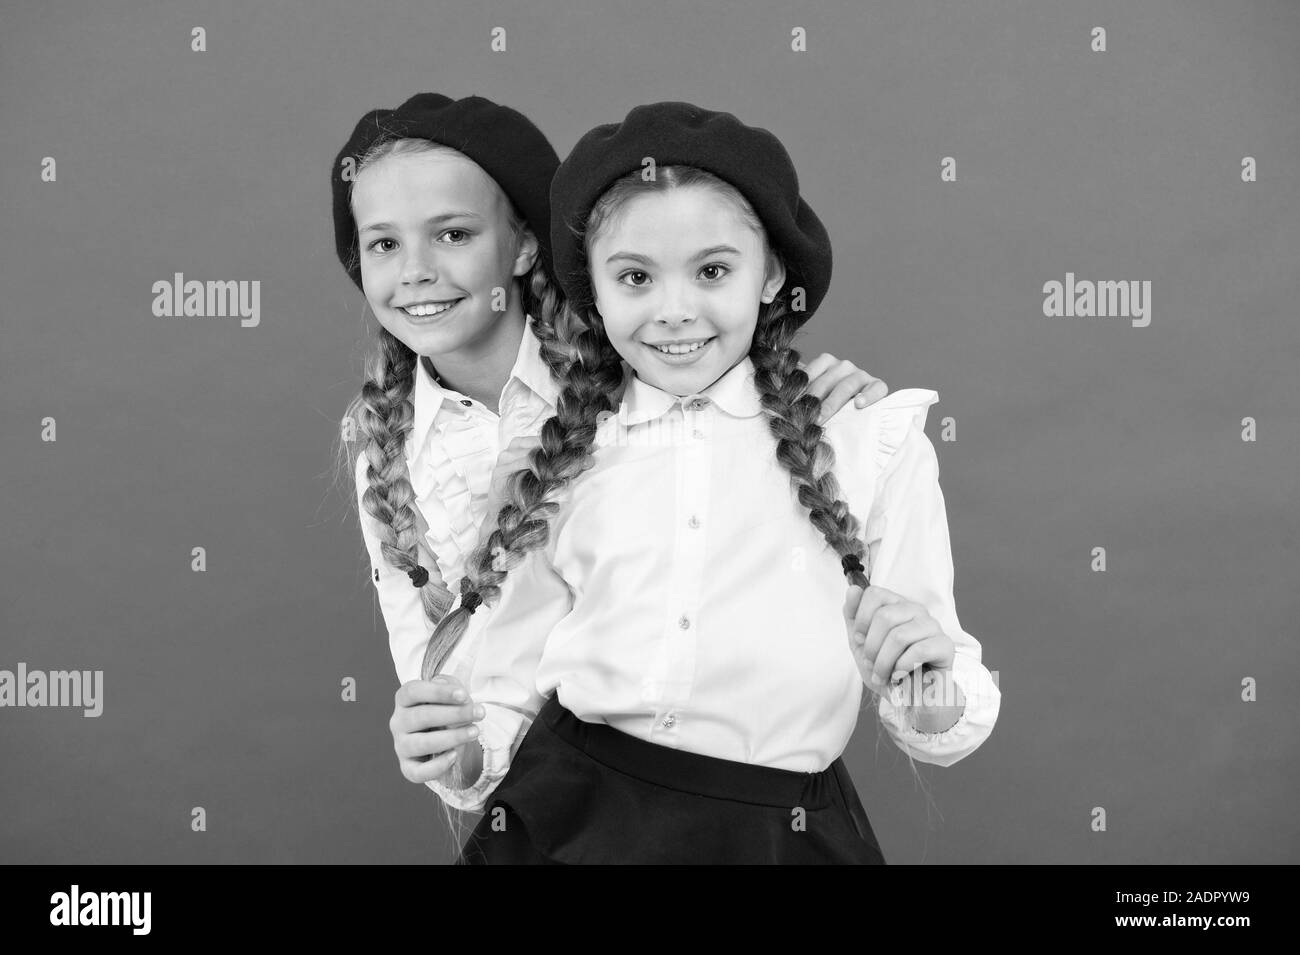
(423,338)
(679,382)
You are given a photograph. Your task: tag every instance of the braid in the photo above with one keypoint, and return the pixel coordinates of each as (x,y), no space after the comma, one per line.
(384,413)
(801,450)
(385,416)
(799,445)
(591,380)
(543,300)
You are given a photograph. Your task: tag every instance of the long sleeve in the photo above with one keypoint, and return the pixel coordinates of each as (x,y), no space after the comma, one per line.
(509,640)
(911,554)
(409,627)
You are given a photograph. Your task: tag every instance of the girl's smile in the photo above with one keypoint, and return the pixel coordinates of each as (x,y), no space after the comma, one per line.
(683,352)
(427,311)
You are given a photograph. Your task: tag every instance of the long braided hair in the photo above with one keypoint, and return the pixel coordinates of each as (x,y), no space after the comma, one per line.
(383,413)
(589,388)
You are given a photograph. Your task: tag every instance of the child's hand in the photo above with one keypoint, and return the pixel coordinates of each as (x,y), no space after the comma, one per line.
(835,382)
(428,725)
(891,636)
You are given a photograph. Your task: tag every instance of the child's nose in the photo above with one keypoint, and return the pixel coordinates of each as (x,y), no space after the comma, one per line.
(677,306)
(420,266)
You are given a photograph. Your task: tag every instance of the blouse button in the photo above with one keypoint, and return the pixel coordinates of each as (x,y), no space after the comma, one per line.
(466,402)
(696,404)
(668,720)
(693,522)
(684,622)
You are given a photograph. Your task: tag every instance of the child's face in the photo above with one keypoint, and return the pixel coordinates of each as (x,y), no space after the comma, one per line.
(434,229)
(681,267)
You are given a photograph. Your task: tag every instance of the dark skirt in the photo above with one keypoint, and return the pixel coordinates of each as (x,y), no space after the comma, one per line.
(581,793)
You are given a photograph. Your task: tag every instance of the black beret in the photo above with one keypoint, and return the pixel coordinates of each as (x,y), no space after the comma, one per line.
(751,159)
(503,141)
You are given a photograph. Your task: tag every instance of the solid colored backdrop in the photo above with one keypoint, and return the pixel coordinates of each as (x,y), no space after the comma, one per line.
(1122,690)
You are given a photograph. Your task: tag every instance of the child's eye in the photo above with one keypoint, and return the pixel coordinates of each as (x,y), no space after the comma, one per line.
(630,273)
(722,270)
(460,232)
(372,247)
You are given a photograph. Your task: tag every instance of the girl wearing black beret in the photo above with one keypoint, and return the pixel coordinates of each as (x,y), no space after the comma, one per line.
(442,219)
(663,610)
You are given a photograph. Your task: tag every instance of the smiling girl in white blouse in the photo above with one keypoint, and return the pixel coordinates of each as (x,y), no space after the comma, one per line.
(442,219)
(668,661)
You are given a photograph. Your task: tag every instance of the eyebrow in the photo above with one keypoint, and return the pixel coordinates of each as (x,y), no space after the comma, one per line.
(704,254)
(446,216)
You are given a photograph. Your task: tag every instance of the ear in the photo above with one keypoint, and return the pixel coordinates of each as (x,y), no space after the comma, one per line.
(775,277)
(528,251)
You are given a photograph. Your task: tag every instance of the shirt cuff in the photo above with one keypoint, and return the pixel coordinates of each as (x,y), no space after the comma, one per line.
(973,727)
(499,732)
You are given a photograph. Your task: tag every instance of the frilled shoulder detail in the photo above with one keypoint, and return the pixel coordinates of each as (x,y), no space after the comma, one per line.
(890,419)
(866,442)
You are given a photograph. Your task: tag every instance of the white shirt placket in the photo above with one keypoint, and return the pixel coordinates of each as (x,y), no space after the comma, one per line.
(691,425)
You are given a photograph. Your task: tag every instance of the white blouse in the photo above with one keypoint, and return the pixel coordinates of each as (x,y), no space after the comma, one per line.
(685,598)
(450,453)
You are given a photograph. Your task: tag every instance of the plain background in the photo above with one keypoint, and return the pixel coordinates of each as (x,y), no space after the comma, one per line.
(1121,690)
